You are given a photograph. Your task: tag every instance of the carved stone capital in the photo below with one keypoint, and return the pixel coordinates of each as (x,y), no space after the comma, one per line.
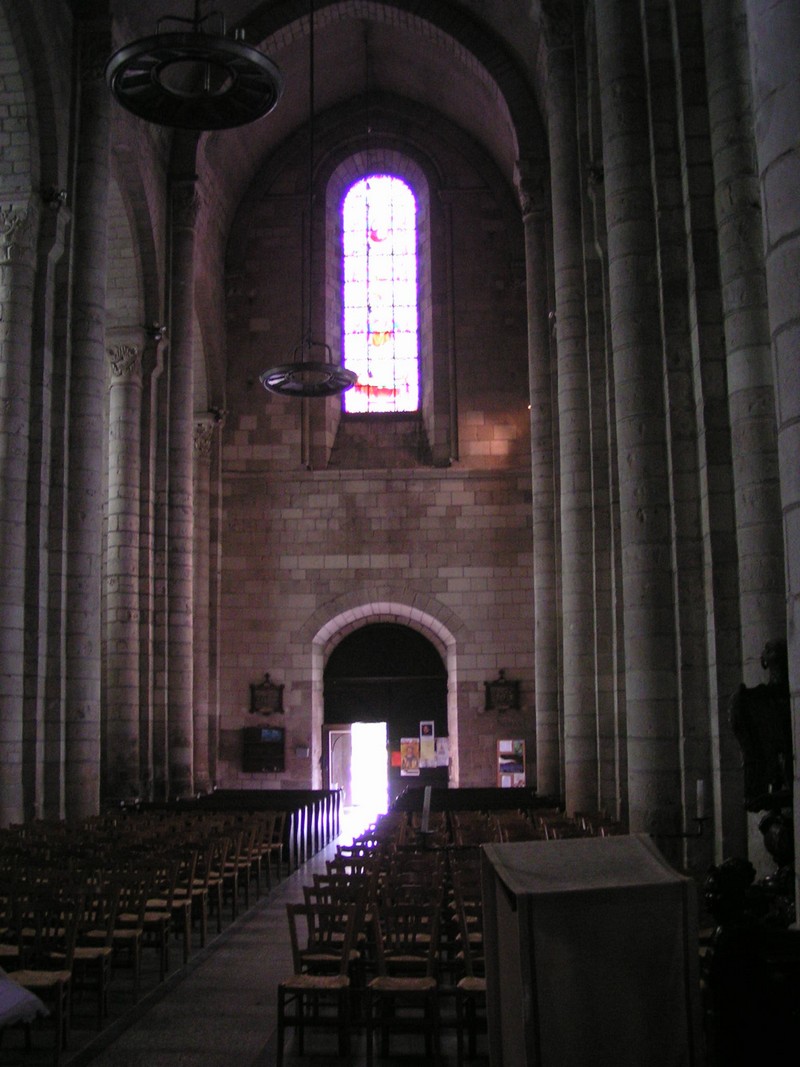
(204,427)
(529,180)
(15,234)
(125,360)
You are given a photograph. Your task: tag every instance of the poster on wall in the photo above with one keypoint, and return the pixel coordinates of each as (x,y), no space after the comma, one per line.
(409,757)
(427,745)
(511,764)
(442,751)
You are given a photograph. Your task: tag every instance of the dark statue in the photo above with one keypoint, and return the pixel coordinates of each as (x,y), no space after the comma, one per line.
(751,967)
(761,719)
(762,722)
(750,972)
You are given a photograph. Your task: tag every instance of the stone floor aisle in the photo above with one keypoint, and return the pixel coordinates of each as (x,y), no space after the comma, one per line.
(221,1010)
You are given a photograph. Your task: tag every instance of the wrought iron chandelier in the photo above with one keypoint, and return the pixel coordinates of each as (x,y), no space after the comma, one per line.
(196,79)
(311,372)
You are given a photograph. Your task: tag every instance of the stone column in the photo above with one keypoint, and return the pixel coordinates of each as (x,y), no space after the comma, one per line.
(530,179)
(774,36)
(122,748)
(751,395)
(16,298)
(203,445)
(180,536)
(152,581)
(574,429)
(648,603)
(751,387)
(86,427)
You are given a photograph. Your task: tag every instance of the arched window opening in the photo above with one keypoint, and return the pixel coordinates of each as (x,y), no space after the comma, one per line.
(379,297)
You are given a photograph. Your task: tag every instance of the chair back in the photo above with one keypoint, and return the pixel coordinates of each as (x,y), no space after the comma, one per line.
(406,937)
(100,912)
(47,922)
(321,935)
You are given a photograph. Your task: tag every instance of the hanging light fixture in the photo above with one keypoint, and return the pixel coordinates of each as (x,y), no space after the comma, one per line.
(311,371)
(197,79)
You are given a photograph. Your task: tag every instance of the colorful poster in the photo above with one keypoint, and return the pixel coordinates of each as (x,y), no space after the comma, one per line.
(511,763)
(409,756)
(427,745)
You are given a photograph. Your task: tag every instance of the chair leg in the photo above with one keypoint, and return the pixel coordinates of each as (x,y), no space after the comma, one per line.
(472,1026)
(344,1023)
(370,1007)
(459,1028)
(281,1027)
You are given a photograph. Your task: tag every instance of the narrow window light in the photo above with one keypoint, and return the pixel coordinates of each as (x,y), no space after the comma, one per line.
(380,342)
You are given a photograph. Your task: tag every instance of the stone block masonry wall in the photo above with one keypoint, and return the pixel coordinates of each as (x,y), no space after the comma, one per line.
(451,548)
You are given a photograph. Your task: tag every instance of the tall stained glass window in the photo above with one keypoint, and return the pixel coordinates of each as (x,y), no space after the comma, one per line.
(379,230)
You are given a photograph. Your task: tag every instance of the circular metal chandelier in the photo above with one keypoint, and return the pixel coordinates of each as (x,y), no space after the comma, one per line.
(308,376)
(194,79)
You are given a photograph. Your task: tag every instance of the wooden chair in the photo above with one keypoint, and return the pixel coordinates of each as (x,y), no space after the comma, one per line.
(9,941)
(471,987)
(261,850)
(185,893)
(95,945)
(317,994)
(161,872)
(133,891)
(403,996)
(47,921)
(210,879)
(237,867)
(276,845)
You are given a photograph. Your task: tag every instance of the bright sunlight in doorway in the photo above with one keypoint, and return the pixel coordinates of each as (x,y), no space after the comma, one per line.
(369,774)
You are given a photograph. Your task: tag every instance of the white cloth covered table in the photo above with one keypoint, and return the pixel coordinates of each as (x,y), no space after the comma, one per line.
(17,1004)
(591,955)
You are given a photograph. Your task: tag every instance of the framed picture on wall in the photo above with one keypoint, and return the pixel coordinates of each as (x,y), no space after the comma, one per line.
(511,763)
(266,698)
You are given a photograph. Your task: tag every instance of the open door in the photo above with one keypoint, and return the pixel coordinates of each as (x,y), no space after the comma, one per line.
(338,749)
(357,762)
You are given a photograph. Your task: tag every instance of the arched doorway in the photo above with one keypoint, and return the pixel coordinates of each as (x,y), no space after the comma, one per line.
(384,673)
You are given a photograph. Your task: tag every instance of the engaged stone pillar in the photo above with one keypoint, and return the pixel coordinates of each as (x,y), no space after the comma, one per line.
(648,609)
(530,186)
(574,428)
(122,748)
(774,36)
(751,392)
(180,538)
(203,444)
(16,296)
(751,387)
(86,428)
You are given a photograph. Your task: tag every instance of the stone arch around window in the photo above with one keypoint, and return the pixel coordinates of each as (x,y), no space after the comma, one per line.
(434,354)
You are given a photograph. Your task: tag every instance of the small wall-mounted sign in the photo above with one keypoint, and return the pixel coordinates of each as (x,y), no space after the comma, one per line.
(266,698)
(511,763)
(501,694)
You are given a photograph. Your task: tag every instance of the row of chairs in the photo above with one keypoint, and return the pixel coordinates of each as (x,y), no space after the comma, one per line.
(538,824)
(387,934)
(79,902)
